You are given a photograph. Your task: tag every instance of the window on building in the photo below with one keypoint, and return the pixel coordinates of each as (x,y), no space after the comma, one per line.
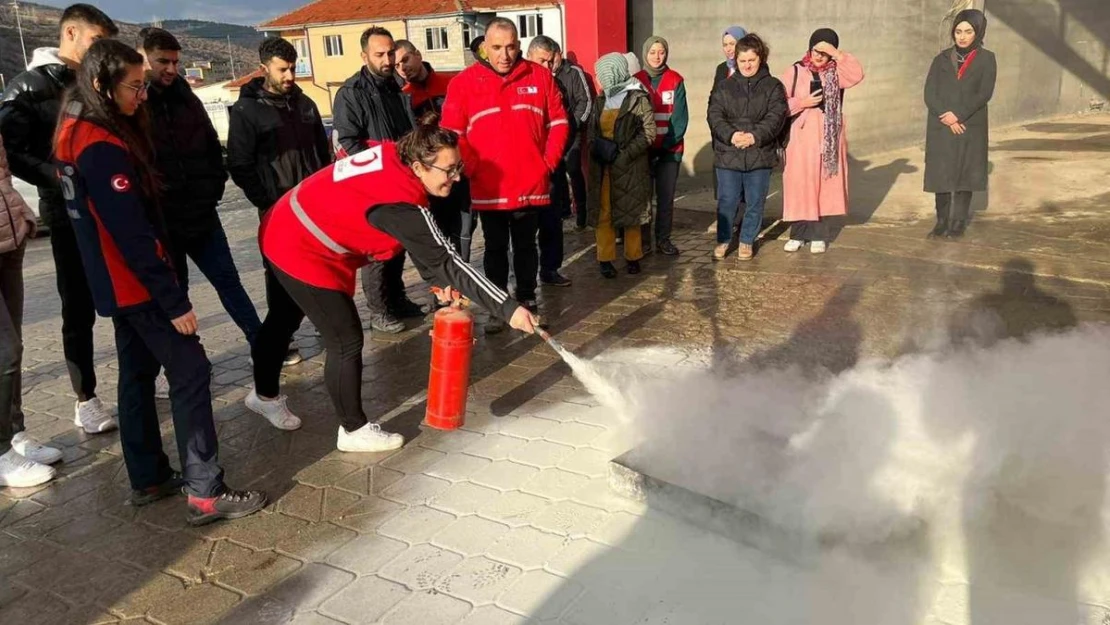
(303,68)
(530,25)
(333,45)
(467,34)
(435,38)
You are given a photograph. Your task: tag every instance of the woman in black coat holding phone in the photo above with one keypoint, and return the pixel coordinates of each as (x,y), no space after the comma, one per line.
(957,90)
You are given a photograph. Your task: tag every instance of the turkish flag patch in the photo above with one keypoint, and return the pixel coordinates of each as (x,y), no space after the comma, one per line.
(120,183)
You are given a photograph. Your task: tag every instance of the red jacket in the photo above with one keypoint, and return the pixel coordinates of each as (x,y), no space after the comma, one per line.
(512,133)
(318,232)
(429,95)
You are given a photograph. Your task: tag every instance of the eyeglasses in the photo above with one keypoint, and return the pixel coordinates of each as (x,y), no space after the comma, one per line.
(140,90)
(454,172)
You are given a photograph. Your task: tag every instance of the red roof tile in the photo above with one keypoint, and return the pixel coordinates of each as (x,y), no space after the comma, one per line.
(339,11)
(242,80)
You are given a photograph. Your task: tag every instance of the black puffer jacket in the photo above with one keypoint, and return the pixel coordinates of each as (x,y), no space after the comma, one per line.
(189,159)
(756,105)
(28,116)
(274,142)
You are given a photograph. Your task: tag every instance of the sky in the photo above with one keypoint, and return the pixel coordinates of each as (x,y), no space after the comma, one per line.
(248,12)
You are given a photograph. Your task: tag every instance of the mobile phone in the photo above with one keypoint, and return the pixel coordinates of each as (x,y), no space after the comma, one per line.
(815,87)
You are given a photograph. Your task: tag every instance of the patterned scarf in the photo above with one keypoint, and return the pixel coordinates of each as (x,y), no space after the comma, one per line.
(834,119)
(611,71)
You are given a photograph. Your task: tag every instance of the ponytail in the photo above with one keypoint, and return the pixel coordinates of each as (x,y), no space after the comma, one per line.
(425,141)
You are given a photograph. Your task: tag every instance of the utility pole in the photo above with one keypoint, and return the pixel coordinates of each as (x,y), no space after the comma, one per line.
(231,57)
(19,26)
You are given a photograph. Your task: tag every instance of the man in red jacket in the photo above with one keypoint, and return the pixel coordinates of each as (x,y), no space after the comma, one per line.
(509,116)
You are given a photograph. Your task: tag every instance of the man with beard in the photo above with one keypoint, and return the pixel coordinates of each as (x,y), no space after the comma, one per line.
(28,117)
(275,140)
(370,106)
(190,160)
(428,89)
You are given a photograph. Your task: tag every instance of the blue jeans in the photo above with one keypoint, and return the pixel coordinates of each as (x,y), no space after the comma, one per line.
(733,187)
(212,255)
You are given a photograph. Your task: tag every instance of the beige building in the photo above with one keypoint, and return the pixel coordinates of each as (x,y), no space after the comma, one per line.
(327,34)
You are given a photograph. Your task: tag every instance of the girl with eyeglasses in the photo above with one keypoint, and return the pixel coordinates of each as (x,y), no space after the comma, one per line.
(104,158)
(371,205)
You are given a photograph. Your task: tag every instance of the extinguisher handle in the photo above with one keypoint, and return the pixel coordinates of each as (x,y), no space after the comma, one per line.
(458,302)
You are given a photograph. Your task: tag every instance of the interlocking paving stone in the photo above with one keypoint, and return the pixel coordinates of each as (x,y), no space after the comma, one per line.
(478,580)
(367,554)
(420,566)
(540,595)
(416,524)
(428,608)
(470,536)
(365,600)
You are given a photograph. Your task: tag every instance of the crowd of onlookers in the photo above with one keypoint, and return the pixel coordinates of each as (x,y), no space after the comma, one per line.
(524,143)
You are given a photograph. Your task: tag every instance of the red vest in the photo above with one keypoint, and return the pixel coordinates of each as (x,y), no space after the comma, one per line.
(318,232)
(662,100)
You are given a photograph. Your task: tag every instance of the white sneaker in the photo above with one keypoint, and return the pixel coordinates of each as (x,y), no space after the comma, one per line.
(19,472)
(93,417)
(161,387)
(25,445)
(369,438)
(793,245)
(817,247)
(275,411)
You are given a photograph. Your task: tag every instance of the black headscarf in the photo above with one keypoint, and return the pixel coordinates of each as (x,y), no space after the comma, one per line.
(977,20)
(827,35)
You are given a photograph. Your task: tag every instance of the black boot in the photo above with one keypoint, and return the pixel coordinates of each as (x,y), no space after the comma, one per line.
(941,229)
(608,270)
(956,229)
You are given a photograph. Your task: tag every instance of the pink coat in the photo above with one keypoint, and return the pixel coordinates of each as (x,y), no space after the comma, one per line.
(17,222)
(806,194)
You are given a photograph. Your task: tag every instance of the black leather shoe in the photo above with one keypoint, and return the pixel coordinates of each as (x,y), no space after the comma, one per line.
(608,270)
(634,267)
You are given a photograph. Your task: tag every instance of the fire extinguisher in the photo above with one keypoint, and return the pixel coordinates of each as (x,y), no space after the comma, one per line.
(449,376)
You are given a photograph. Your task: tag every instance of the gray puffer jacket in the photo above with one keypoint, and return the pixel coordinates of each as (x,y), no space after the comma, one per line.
(17,222)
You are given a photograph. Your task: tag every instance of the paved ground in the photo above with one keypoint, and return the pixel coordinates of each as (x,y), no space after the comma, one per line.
(510,520)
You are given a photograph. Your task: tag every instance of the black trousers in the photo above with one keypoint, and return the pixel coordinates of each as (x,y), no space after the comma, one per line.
(145,342)
(809,230)
(78,312)
(551,237)
(383,284)
(955,206)
(573,163)
(335,316)
(518,227)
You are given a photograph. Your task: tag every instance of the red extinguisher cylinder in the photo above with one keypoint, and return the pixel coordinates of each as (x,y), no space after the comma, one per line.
(449,376)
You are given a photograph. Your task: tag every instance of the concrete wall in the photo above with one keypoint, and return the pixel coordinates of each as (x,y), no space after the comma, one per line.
(1054,56)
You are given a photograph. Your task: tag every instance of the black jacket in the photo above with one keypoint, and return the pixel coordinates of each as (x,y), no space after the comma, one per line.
(578,97)
(189,159)
(28,117)
(756,105)
(274,142)
(367,107)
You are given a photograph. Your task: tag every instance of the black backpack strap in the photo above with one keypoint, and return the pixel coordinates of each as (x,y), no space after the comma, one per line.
(794,87)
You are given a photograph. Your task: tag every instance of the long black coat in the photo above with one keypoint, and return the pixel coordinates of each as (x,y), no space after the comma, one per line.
(958,162)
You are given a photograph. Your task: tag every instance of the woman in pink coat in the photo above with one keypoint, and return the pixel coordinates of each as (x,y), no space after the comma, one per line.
(815,182)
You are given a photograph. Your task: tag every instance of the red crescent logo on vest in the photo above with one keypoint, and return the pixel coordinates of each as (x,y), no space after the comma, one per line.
(120,183)
(364,158)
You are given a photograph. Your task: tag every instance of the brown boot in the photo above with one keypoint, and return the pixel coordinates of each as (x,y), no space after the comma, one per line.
(745,252)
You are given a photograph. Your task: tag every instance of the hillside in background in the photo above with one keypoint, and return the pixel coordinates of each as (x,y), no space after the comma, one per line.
(202,41)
